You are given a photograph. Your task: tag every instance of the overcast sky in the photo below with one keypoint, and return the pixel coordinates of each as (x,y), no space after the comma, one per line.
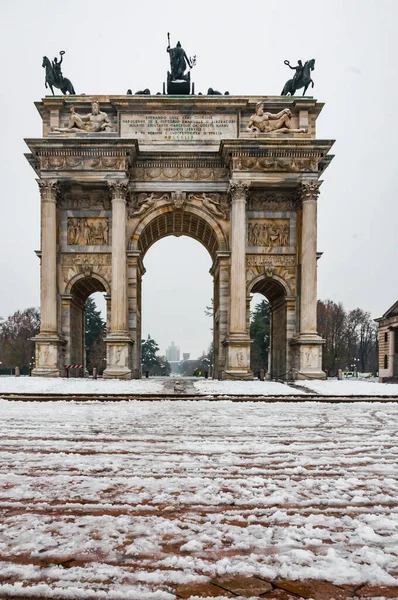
(240,47)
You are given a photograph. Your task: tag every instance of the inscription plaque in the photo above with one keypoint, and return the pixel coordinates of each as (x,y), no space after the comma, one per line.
(177,127)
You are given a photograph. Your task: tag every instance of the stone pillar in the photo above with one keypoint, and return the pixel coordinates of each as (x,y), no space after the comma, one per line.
(47,341)
(308,343)
(391,352)
(238,340)
(118,342)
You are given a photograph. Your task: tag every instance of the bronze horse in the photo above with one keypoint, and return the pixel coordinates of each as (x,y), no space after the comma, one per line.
(51,80)
(303,80)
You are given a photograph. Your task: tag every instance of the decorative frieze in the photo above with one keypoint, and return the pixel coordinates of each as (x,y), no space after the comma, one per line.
(271,260)
(97,259)
(268,201)
(81,163)
(88,231)
(164,173)
(275,164)
(93,199)
(269,232)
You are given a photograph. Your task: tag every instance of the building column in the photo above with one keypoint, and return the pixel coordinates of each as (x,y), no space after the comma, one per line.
(118,342)
(391,352)
(309,344)
(238,340)
(47,341)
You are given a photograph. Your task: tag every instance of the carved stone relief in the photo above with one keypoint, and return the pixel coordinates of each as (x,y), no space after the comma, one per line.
(88,231)
(217,204)
(273,201)
(178,174)
(269,232)
(275,164)
(98,163)
(91,259)
(274,260)
(140,204)
(178,199)
(95,199)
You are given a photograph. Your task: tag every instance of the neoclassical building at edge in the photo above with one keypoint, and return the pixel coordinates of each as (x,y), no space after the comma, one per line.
(239,174)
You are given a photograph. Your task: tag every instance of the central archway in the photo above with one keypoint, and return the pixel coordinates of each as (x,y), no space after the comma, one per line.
(195,223)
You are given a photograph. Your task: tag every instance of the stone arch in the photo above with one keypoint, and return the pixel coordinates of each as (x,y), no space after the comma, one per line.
(278,293)
(82,284)
(191,221)
(77,290)
(272,287)
(201,226)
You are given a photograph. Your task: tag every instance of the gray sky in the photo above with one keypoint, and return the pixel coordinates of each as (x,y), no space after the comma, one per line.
(240,47)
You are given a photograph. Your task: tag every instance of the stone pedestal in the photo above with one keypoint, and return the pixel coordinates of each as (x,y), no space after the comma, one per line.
(238,340)
(118,342)
(47,341)
(308,359)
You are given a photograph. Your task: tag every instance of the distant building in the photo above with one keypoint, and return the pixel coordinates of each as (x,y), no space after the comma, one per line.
(186,355)
(173,353)
(388,344)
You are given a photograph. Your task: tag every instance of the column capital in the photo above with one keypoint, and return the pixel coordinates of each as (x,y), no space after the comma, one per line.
(239,190)
(119,188)
(49,189)
(309,190)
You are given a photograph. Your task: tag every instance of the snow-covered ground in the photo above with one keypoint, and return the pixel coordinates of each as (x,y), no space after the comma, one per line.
(330,387)
(126,500)
(76,385)
(347,387)
(250,388)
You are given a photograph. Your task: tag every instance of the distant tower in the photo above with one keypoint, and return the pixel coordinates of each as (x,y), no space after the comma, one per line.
(186,355)
(173,353)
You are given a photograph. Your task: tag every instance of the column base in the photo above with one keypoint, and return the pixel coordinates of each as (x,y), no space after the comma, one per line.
(307,359)
(238,357)
(47,355)
(118,357)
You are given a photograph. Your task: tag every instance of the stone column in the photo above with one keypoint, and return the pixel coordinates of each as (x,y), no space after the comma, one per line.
(47,341)
(391,352)
(309,352)
(118,342)
(238,341)
(309,196)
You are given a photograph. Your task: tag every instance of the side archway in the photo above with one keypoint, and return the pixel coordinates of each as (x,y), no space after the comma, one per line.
(77,290)
(277,291)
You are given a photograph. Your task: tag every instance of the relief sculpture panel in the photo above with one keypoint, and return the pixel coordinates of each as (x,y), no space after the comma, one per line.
(88,231)
(269,232)
(273,201)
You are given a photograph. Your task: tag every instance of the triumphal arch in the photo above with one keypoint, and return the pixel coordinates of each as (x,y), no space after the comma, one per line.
(239,174)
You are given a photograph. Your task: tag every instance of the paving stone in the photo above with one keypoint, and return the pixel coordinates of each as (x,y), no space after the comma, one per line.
(243,586)
(318,590)
(278,594)
(202,590)
(374,591)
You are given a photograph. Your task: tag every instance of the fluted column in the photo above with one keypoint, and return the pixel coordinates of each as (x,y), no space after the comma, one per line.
(47,342)
(239,192)
(308,306)
(307,361)
(119,342)
(238,341)
(48,287)
(119,191)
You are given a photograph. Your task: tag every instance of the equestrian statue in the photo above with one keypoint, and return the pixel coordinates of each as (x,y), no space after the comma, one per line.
(301,78)
(54,77)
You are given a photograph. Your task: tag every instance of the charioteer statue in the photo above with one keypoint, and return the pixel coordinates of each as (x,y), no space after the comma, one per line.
(301,78)
(178,81)
(54,77)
